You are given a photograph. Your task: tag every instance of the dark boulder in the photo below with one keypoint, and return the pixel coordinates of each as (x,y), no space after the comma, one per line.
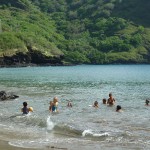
(7,96)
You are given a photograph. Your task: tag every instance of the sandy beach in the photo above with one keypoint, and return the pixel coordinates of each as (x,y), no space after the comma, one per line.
(5,146)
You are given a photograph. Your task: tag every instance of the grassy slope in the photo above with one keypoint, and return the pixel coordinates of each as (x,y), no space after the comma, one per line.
(27,27)
(138,13)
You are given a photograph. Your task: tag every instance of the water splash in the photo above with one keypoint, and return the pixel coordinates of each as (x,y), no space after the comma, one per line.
(86,132)
(50,124)
(91,133)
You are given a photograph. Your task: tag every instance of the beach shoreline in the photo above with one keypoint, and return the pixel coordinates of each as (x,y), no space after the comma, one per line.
(4,145)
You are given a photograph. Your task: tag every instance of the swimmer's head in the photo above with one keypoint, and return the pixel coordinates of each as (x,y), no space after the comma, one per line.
(25,104)
(96,103)
(110,94)
(147,102)
(118,108)
(69,104)
(104,101)
(55,99)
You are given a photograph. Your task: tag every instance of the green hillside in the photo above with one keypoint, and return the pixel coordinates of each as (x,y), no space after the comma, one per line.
(134,10)
(27,35)
(74,32)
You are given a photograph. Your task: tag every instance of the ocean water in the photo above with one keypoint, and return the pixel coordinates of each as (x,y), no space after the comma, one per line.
(82,126)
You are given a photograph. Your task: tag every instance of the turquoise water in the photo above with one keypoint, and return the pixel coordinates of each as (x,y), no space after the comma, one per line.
(82,125)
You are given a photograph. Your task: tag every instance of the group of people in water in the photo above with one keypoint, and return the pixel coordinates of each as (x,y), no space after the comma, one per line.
(110,102)
(53,107)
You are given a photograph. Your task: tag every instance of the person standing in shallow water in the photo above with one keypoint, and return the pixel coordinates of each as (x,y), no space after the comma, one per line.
(25,109)
(111,100)
(55,105)
(147,103)
(104,101)
(50,106)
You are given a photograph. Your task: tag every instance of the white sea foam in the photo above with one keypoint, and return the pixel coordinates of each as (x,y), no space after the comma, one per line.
(86,132)
(91,133)
(50,124)
(2,125)
(24,144)
(16,144)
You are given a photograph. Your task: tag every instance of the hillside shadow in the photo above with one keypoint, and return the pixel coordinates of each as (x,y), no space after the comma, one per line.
(137,11)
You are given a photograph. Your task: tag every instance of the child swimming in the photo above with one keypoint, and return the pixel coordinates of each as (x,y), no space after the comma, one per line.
(96,104)
(104,101)
(118,108)
(25,109)
(69,104)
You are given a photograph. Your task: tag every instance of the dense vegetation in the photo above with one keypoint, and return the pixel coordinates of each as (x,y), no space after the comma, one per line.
(74,31)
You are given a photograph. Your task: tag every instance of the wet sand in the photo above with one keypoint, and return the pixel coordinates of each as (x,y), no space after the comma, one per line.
(5,146)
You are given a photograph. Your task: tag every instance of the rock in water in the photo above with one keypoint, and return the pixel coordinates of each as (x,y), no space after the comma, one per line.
(7,96)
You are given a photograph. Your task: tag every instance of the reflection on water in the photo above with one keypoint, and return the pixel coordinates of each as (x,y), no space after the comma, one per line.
(81,124)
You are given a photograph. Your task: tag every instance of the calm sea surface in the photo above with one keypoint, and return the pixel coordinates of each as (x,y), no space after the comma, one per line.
(81,127)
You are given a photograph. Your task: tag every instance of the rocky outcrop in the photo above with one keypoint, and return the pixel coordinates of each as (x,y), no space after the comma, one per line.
(31,58)
(7,96)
